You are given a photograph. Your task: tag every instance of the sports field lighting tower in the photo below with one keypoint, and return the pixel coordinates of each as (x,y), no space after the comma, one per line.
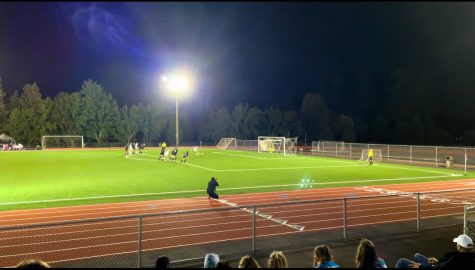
(178,86)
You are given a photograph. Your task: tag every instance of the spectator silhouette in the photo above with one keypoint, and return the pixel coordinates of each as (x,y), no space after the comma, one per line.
(277,259)
(463,257)
(211,260)
(323,258)
(162,262)
(248,262)
(33,264)
(366,256)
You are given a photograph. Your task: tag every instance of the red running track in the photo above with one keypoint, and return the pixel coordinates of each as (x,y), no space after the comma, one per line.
(107,238)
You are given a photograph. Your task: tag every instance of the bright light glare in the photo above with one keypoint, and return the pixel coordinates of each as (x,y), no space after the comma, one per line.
(177,85)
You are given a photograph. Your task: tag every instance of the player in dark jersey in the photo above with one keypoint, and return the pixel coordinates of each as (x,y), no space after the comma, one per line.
(184,157)
(141,148)
(162,154)
(174,154)
(211,190)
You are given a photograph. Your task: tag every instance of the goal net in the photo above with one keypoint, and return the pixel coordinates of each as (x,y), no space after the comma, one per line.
(286,146)
(227,143)
(68,141)
(377,155)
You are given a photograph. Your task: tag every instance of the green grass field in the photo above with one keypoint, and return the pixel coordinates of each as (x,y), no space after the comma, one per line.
(102,176)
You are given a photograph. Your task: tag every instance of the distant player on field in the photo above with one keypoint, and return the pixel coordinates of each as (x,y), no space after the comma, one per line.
(126,150)
(162,154)
(164,145)
(196,150)
(167,153)
(141,148)
(185,157)
(174,154)
(370,156)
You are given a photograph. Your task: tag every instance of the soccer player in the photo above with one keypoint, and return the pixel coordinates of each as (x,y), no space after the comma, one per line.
(141,148)
(212,184)
(167,153)
(162,154)
(370,156)
(174,153)
(196,149)
(185,157)
(164,145)
(126,149)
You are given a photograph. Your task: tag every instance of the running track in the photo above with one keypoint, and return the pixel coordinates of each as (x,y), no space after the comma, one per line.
(106,238)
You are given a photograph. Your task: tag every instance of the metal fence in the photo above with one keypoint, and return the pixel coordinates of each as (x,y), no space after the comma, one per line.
(420,155)
(186,236)
(469,221)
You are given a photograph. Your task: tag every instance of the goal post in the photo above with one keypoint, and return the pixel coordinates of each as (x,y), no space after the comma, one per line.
(227,143)
(377,155)
(283,145)
(62,141)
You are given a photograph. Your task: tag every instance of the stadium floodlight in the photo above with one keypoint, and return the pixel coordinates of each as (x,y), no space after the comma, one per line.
(178,85)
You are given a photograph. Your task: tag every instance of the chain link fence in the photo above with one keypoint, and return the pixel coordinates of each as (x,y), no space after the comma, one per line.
(437,156)
(186,236)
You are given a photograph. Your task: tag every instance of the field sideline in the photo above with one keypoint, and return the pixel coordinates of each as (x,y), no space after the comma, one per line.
(41,179)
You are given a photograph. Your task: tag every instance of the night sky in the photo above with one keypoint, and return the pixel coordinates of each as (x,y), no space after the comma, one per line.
(264,54)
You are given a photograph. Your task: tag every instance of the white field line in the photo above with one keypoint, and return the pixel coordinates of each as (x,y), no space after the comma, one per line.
(257,169)
(263,158)
(236,188)
(265,216)
(271,196)
(289,168)
(417,170)
(267,158)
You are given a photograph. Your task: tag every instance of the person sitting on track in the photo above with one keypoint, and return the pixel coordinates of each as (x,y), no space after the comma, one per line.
(212,184)
(462,258)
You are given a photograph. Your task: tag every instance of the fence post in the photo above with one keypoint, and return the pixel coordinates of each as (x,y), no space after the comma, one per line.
(436,158)
(344,218)
(336,149)
(418,209)
(139,254)
(388,152)
(465,219)
(253,230)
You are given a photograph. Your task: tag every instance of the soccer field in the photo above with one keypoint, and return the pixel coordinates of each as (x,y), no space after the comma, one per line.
(59,178)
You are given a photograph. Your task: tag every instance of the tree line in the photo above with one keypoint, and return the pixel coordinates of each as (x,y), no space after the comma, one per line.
(94,113)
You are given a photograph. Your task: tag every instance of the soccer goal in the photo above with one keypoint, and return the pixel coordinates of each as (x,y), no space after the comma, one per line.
(66,141)
(377,155)
(227,143)
(286,146)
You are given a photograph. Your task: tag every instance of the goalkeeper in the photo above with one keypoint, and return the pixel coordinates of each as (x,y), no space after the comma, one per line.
(370,156)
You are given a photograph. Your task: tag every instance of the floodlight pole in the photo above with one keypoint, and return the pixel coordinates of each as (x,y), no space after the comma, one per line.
(176,116)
